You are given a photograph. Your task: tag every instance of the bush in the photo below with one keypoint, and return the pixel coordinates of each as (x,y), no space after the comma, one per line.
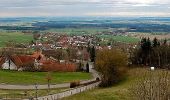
(29,67)
(112,66)
(74,84)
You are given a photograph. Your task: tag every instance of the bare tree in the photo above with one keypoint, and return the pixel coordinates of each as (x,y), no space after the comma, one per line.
(154,85)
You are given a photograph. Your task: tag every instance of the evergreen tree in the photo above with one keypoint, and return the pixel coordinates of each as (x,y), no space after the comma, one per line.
(148,44)
(143,43)
(154,53)
(92,54)
(155,42)
(87,67)
(165,42)
(88,47)
(145,51)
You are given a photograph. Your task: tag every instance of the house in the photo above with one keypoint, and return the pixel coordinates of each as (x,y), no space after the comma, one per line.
(16,62)
(7,64)
(19,62)
(35,61)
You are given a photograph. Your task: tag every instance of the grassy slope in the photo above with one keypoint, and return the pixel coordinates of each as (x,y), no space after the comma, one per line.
(117,92)
(15,77)
(14,36)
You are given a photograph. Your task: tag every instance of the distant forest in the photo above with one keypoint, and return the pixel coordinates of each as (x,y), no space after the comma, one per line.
(133,25)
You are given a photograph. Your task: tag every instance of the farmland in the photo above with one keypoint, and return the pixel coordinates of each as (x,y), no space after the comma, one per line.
(126,39)
(81,26)
(160,36)
(77,31)
(16,37)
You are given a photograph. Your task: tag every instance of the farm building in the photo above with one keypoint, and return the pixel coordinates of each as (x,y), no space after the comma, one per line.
(16,62)
(34,62)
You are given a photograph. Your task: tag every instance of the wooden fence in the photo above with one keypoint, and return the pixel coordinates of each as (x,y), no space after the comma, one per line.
(67,93)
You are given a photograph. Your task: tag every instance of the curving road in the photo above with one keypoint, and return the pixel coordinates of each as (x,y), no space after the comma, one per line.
(63,85)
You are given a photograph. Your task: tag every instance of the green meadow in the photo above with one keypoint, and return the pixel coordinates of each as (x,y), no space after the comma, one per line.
(77,31)
(15,77)
(16,37)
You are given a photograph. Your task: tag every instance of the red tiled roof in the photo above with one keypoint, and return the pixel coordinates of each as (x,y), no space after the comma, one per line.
(21,60)
(18,60)
(2,60)
(37,54)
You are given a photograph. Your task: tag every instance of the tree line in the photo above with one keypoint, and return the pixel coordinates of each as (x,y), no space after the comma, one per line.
(151,53)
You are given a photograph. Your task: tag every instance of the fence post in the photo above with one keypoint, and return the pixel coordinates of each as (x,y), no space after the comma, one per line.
(36,92)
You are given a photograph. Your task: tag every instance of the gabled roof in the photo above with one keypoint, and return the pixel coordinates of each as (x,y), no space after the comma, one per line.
(22,59)
(18,60)
(38,55)
(2,60)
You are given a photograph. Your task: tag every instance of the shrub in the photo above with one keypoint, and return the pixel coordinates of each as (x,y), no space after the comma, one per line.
(29,67)
(74,84)
(112,66)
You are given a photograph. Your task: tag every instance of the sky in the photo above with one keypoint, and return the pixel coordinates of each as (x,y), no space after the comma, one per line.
(115,8)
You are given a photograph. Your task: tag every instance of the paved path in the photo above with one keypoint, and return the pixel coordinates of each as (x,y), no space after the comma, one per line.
(63,85)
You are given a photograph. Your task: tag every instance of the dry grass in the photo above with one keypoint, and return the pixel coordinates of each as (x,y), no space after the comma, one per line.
(120,91)
(153,85)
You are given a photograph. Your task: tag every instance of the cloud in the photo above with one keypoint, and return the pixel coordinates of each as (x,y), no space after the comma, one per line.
(84,7)
(130,14)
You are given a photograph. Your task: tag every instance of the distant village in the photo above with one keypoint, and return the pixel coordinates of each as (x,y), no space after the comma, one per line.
(51,52)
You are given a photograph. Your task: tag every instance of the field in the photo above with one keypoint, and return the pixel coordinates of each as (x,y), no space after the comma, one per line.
(17,37)
(160,36)
(15,77)
(126,39)
(117,92)
(77,31)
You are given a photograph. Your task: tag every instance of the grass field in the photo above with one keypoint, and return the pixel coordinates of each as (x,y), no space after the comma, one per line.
(78,31)
(117,92)
(17,37)
(15,77)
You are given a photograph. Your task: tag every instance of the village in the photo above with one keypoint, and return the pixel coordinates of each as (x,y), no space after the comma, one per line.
(52,52)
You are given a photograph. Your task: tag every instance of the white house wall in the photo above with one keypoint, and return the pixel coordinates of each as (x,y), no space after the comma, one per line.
(6,65)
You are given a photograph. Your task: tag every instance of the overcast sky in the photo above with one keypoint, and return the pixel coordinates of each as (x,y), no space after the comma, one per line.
(123,8)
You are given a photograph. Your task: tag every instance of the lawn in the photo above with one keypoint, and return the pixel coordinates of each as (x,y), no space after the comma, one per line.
(117,92)
(15,77)
(17,37)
